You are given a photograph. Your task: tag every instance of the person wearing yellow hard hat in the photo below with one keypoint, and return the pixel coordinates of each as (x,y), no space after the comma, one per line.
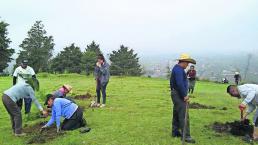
(179,96)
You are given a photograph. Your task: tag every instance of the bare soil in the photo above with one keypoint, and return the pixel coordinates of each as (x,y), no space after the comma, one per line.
(83,97)
(200,106)
(237,128)
(37,137)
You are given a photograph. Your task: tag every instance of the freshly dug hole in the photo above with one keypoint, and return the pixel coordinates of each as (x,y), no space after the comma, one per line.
(38,137)
(82,97)
(200,106)
(237,128)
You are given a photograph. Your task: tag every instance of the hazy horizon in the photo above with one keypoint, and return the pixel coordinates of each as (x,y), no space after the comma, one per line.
(151,28)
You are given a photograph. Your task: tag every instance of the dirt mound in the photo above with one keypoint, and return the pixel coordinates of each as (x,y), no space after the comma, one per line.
(82,97)
(200,106)
(37,137)
(237,128)
(224,108)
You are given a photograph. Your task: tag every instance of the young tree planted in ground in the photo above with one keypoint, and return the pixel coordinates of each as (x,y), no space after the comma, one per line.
(5,51)
(68,60)
(37,48)
(89,57)
(125,62)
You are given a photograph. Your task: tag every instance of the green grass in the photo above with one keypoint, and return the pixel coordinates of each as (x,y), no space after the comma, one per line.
(138,112)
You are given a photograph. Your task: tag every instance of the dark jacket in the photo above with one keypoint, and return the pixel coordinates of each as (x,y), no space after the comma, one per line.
(178,81)
(102,73)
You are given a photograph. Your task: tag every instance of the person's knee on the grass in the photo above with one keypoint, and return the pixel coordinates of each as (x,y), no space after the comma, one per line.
(65,108)
(102,75)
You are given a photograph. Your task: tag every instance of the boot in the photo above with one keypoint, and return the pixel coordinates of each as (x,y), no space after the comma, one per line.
(255,134)
(189,140)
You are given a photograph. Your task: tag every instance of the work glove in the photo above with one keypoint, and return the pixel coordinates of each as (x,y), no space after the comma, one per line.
(44,113)
(242,107)
(58,129)
(43,128)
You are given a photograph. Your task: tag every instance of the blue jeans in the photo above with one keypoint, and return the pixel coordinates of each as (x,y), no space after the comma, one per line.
(102,88)
(27,102)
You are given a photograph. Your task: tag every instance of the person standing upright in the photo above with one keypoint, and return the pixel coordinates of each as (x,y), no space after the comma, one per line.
(179,96)
(191,74)
(22,74)
(237,77)
(102,75)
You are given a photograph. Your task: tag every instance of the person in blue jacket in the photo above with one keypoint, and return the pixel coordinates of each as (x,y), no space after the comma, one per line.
(61,107)
(179,96)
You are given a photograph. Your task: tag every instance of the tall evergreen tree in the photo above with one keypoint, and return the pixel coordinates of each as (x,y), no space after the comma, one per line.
(68,60)
(90,56)
(125,62)
(37,48)
(5,51)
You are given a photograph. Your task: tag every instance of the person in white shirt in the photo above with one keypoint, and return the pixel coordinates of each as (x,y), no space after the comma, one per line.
(21,74)
(249,94)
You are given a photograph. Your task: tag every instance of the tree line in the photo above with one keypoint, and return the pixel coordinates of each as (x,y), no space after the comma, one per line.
(38,49)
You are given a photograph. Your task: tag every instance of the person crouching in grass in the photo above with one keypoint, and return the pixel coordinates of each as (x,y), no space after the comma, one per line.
(10,97)
(62,107)
(249,94)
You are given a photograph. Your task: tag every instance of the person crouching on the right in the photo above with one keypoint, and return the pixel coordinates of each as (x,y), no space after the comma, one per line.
(249,94)
(62,107)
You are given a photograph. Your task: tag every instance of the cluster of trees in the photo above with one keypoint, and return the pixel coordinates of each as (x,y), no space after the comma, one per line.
(38,49)
(5,51)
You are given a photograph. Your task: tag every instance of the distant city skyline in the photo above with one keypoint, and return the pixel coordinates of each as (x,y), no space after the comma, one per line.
(151,28)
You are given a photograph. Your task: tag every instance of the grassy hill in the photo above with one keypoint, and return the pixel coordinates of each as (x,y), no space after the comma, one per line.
(138,112)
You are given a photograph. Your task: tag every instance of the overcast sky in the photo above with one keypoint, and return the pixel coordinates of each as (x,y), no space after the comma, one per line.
(151,27)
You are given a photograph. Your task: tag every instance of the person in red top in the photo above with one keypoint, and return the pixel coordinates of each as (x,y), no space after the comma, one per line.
(191,75)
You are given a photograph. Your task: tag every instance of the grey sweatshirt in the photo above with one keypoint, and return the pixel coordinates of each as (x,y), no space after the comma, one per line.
(22,90)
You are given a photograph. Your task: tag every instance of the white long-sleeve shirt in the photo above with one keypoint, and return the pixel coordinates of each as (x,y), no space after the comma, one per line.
(249,92)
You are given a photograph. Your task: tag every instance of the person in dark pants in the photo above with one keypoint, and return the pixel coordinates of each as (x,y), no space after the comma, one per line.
(179,96)
(10,98)
(62,107)
(237,77)
(21,74)
(102,75)
(249,94)
(191,74)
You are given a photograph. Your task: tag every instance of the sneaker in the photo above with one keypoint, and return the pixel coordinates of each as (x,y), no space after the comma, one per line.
(189,140)
(98,105)
(102,106)
(20,134)
(85,130)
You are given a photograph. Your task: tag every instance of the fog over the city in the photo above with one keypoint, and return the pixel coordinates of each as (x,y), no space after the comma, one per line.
(155,29)
(151,27)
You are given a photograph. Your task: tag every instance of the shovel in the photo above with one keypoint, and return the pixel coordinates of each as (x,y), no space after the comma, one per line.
(242,115)
(185,123)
